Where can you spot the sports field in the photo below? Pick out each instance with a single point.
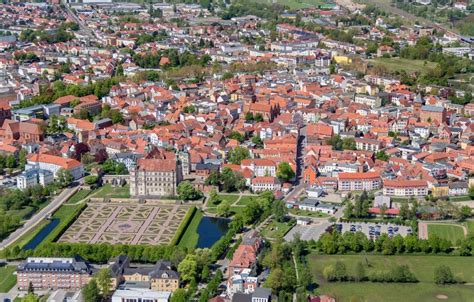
(422, 266)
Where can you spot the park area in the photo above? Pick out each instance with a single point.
(8, 279)
(452, 231)
(421, 265)
(126, 223)
(449, 232)
(399, 64)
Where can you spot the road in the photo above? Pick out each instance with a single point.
(299, 183)
(38, 217)
(83, 28)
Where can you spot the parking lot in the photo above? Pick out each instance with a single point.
(374, 230)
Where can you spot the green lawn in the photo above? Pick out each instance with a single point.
(449, 232)
(469, 224)
(422, 266)
(231, 198)
(398, 64)
(276, 230)
(246, 200)
(190, 237)
(235, 210)
(107, 191)
(80, 195)
(8, 280)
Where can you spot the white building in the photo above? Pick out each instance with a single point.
(33, 177)
(371, 101)
(54, 163)
(263, 183)
(140, 295)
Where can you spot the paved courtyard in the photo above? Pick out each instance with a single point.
(117, 223)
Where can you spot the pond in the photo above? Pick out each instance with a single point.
(210, 230)
(33, 243)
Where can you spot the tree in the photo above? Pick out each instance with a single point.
(91, 180)
(231, 181)
(179, 295)
(223, 209)
(381, 155)
(119, 71)
(64, 177)
(257, 141)
(186, 191)
(237, 136)
(29, 298)
(249, 116)
(404, 210)
(443, 275)
(213, 179)
(22, 158)
(91, 291)
(383, 210)
(104, 281)
(284, 171)
(360, 272)
(188, 268)
(465, 212)
(349, 209)
(279, 210)
(238, 154)
(348, 143)
(275, 279)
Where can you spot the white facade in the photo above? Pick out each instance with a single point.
(140, 295)
(33, 177)
(371, 101)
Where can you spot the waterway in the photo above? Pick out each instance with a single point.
(210, 230)
(33, 243)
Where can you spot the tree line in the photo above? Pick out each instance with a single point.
(337, 243)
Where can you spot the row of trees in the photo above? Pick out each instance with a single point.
(227, 180)
(50, 93)
(337, 243)
(339, 272)
(175, 59)
(61, 35)
(13, 161)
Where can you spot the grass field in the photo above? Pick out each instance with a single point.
(231, 198)
(295, 4)
(469, 224)
(422, 266)
(8, 280)
(80, 195)
(399, 64)
(246, 200)
(276, 230)
(190, 237)
(449, 232)
(108, 191)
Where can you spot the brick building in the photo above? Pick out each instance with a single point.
(53, 273)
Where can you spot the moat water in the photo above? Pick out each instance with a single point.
(33, 243)
(210, 230)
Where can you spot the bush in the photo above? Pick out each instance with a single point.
(443, 275)
(184, 225)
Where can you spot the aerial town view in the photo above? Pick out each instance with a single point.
(236, 150)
